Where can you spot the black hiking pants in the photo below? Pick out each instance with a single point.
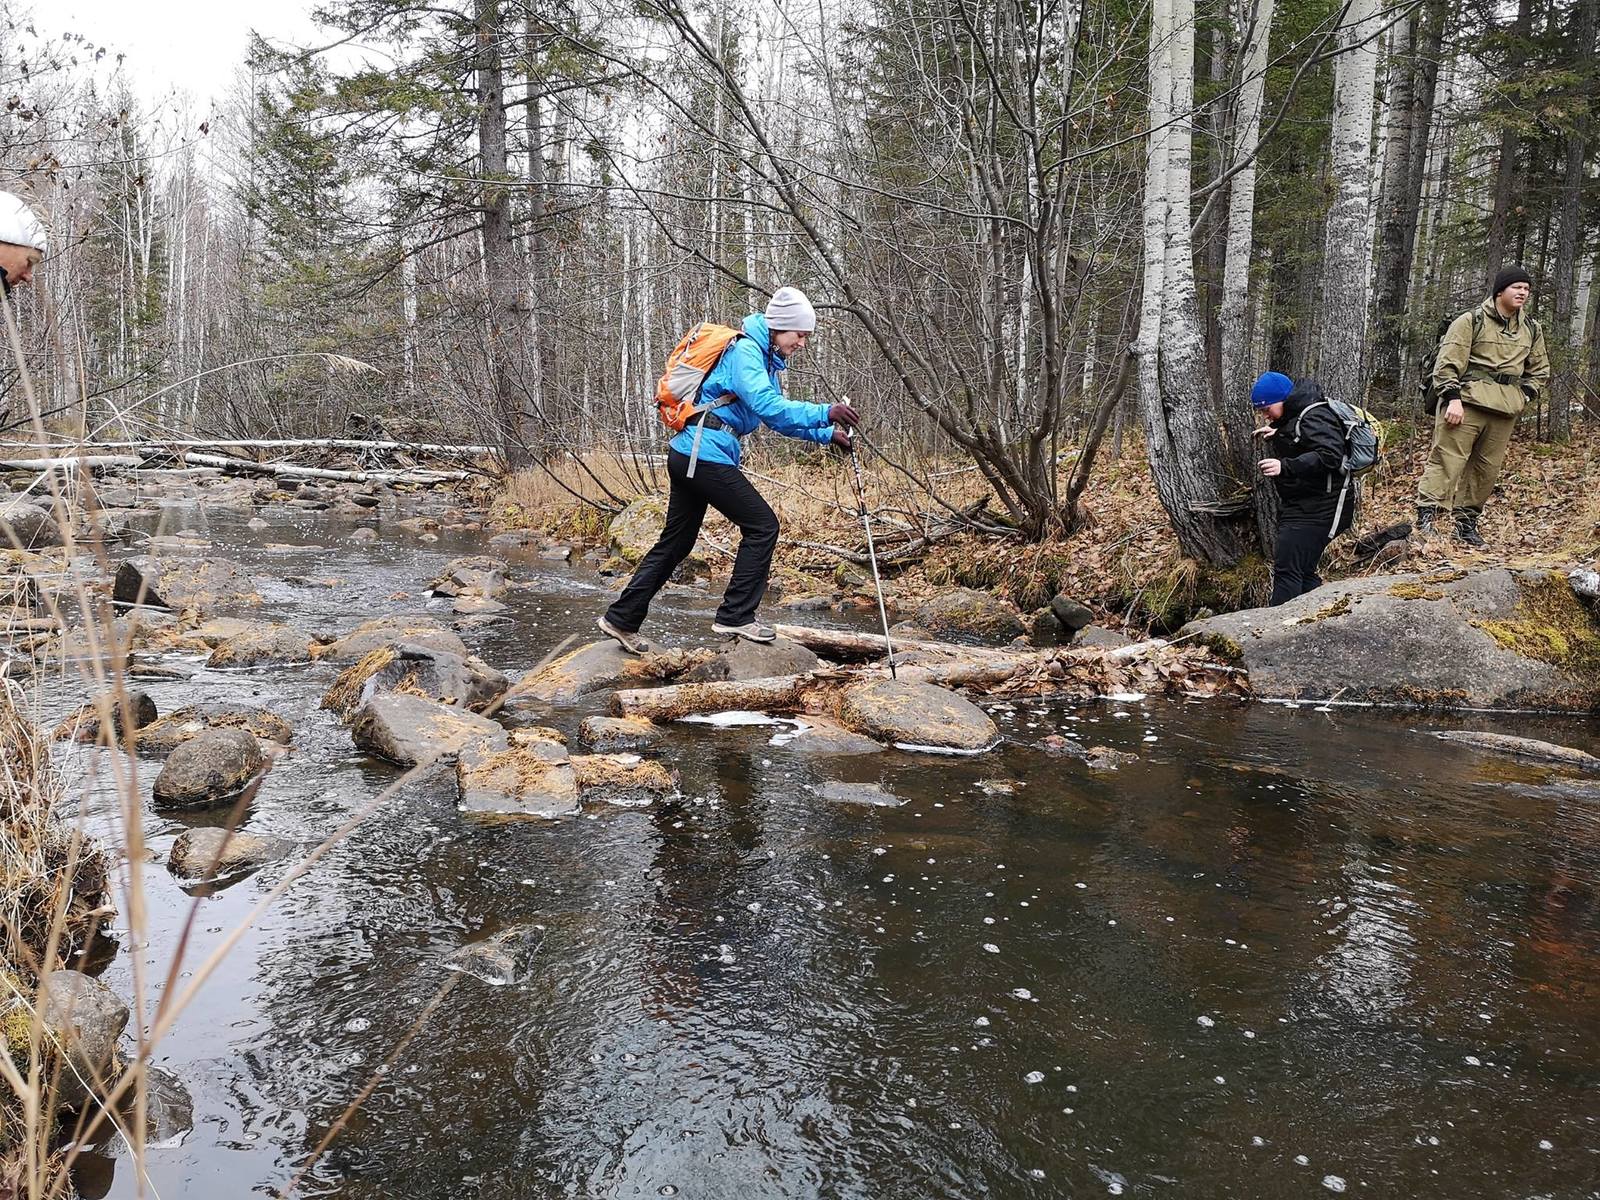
(1294, 564)
(725, 489)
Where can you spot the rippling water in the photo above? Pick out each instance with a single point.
(1286, 952)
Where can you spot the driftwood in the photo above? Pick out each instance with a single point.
(841, 643)
(87, 462)
(779, 693)
(275, 444)
(247, 466)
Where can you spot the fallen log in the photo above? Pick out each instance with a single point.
(778, 693)
(841, 643)
(270, 444)
(86, 462)
(247, 466)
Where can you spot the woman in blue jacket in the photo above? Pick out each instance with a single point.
(746, 384)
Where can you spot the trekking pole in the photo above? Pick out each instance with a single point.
(872, 554)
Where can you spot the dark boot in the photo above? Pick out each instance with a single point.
(1427, 514)
(1467, 528)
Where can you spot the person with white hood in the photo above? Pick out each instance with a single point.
(22, 241)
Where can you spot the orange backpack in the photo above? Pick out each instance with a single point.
(691, 360)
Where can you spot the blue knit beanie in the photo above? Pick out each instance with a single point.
(1270, 388)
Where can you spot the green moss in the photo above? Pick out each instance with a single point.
(1225, 648)
(1415, 591)
(1337, 609)
(1550, 625)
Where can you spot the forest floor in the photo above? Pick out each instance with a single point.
(1124, 562)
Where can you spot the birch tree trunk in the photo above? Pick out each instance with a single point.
(1184, 442)
(1505, 179)
(1347, 250)
(1237, 368)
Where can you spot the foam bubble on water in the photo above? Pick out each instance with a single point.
(732, 719)
(991, 948)
(1302, 1160)
(1022, 993)
(357, 1024)
(1033, 1077)
(1221, 1079)
(1204, 1021)
(1472, 1060)
(1333, 1183)
(754, 906)
(988, 920)
(1258, 1141)
(1546, 1144)
(981, 1021)
(1035, 1173)
(1250, 1033)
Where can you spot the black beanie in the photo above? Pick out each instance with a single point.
(1508, 276)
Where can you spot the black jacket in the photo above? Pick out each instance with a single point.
(1311, 446)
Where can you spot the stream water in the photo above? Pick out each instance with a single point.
(1286, 952)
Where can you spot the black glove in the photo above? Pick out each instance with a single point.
(845, 415)
(1531, 392)
(841, 439)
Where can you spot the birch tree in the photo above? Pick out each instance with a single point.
(1255, 25)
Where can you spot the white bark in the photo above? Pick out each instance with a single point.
(1347, 253)
(1237, 364)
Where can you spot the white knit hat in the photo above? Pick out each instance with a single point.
(789, 309)
(19, 224)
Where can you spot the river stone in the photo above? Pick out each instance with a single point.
(751, 660)
(1098, 638)
(115, 495)
(822, 736)
(1072, 615)
(409, 729)
(203, 584)
(965, 615)
(363, 535)
(84, 1019)
(501, 959)
(405, 667)
(208, 770)
(266, 643)
(524, 780)
(606, 735)
(476, 575)
(384, 631)
(637, 528)
(591, 668)
(28, 525)
(621, 779)
(167, 733)
(869, 794)
(916, 714)
(168, 1112)
(1521, 747)
(1494, 638)
(208, 853)
(84, 725)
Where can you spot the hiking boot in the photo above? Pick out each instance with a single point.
(1427, 514)
(631, 642)
(750, 631)
(1467, 530)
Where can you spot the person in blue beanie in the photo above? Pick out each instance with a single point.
(1306, 443)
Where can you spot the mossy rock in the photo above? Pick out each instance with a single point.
(636, 528)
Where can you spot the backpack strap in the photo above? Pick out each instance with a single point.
(704, 412)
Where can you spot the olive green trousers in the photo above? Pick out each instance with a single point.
(1465, 460)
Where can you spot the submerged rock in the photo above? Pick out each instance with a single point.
(408, 729)
(751, 660)
(386, 631)
(168, 1108)
(476, 575)
(468, 682)
(819, 735)
(84, 1018)
(869, 794)
(200, 855)
(501, 959)
(528, 779)
(965, 615)
(171, 731)
(84, 725)
(1486, 639)
(916, 714)
(1520, 747)
(202, 584)
(621, 779)
(609, 734)
(208, 770)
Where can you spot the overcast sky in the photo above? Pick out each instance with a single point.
(193, 45)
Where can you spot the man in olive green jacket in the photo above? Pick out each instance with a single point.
(1491, 362)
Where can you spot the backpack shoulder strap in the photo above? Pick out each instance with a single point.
(1300, 420)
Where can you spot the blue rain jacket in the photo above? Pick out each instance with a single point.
(749, 369)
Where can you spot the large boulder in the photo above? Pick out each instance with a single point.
(208, 770)
(593, 668)
(636, 528)
(84, 725)
(478, 575)
(916, 714)
(166, 734)
(965, 615)
(385, 631)
(265, 643)
(530, 778)
(29, 525)
(437, 674)
(408, 729)
(202, 584)
(752, 660)
(83, 1019)
(208, 853)
(1487, 639)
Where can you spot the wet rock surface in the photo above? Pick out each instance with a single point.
(206, 854)
(131, 710)
(165, 734)
(265, 643)
(502, 959)
(593, 668)
(201, 584)
(751, 660)
(467, 682)
(819, 735)
(208, 770)
(387, 631)
(624, 780)
(531, 778)
(607, 735)
(1521, 747)
(917, 714)
(871, 795)
(965, 615)
(409, 729)
(478, 575)
(84, 1019)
